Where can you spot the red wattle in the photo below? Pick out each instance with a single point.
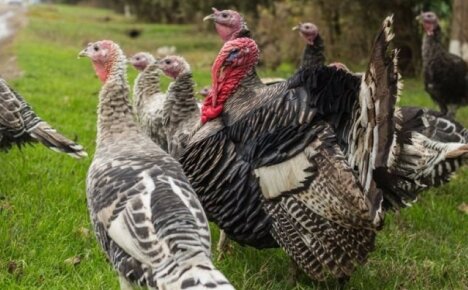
(225, 79)
(210, 112)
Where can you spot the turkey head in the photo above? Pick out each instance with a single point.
(141, 60)
(429, 21)
(174, 65)
(236, 58)
(103, 55)
(308, 31)
(228, 23)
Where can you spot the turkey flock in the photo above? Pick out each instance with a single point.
(309, 164)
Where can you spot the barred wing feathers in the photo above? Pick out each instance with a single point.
(150, 223)
(274, 155)
(19, 124)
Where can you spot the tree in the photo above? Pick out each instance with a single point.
(459, 37)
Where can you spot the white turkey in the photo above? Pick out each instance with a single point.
(148, 100)
(445, 74)
(181, 111)
(19, 125)
(145, 214)
(267, 163)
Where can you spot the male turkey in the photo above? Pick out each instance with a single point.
(429, 146)
(445, 74)
(145, 213)
(313, 54)
(19, 124)
(229, 25)
(148, 100)
(181, 112)
(267, 165)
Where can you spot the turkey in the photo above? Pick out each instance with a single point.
(19, 125)
(430, 147)
(145, 214)
(181, 112)
(267, 165)
(445, 74)
(204, 92)
(148, 100)
(229, 25)
(313, 54)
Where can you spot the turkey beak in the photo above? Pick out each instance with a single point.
(83, 53)
(209, 17)
(296, 27)
(419, 18)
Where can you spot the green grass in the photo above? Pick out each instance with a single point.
(42, 194)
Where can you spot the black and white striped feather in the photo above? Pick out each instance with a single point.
(145, 213)
(272, 167)
(19, 125)
(430, 148)
(181, 113)
(148, 102)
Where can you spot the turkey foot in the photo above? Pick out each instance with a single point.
(223, 246)
(293, 273)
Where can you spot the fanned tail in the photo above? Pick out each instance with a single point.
(371, 137)
(422, 163)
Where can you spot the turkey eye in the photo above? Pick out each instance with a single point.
(168, 62)
(138, 59)
(233, 54)
(224, 15)
(96, 48)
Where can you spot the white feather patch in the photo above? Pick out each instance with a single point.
(285, 176)
(122, 235)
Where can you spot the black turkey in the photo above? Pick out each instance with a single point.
(445, 74)
(430, 147)
(267, 165)
(314, 51)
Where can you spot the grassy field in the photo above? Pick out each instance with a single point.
(46, 241)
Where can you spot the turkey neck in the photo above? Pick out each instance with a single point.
(147, 85)
(182, 96)
(250, 81)
(114, 111)
(431, 46)
(313, 54)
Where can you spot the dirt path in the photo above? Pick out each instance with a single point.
(12, 19)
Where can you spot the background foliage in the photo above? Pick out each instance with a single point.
(348, 26)
(46, 240)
